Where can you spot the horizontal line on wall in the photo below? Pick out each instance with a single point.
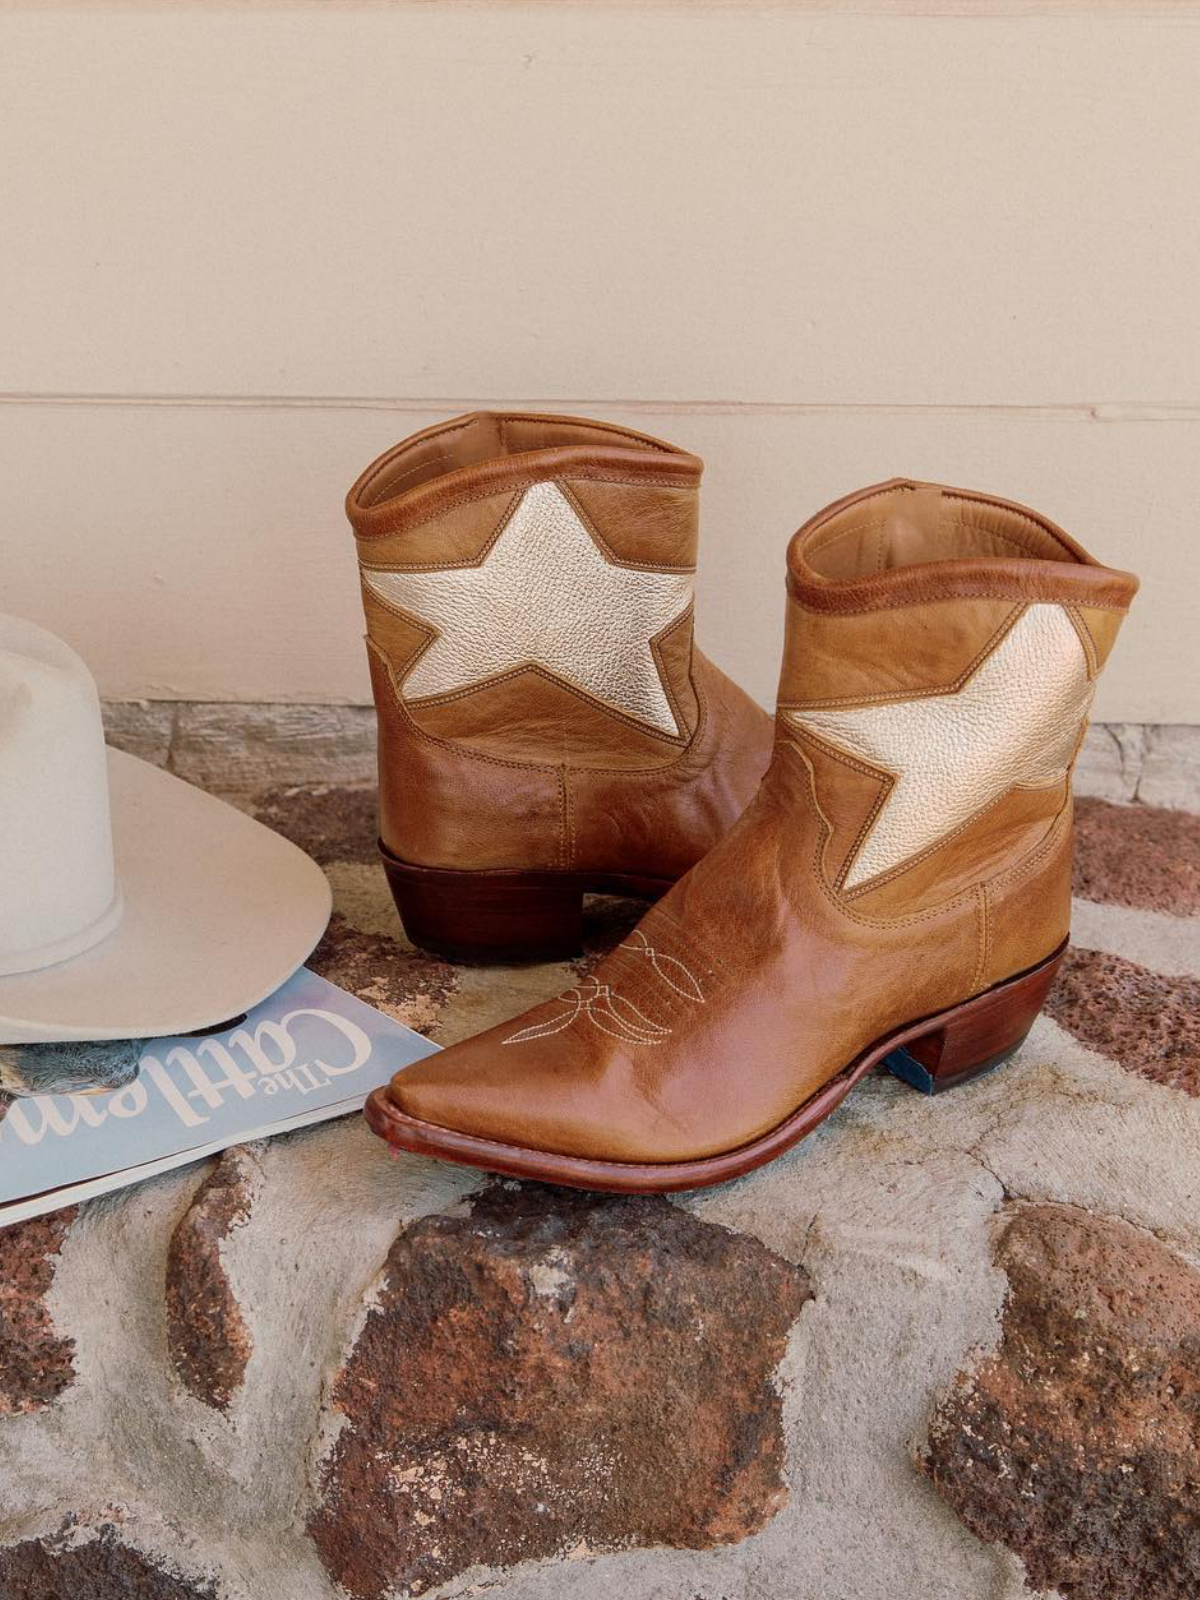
(961, 10)
(1073, 411)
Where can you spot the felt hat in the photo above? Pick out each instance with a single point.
(132, 905)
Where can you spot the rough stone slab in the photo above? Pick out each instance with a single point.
(1171, 768)
(1158, 764)
(207, 1338)
(36, 1363)
(387, 972)
(1164, 943)
(143, 727)
(556, 1370)
(245, 747)
(1109, 764)
(1076, 1444)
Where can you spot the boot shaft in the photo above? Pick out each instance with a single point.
(941, 655)
(527, 584)
(528, 581)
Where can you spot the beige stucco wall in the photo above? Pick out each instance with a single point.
(244, 246)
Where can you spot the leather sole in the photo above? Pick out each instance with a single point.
(932, 1053)
(502, 917)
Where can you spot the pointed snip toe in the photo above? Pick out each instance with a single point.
(932, 1056)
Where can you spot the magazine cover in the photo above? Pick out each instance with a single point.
(308, 1053)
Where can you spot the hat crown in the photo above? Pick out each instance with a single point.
(58, 886)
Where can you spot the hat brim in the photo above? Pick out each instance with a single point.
(219, 911)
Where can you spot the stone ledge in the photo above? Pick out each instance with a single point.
(1156, 764)
(254, 746)
(243, 747)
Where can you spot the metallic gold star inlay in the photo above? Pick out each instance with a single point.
(546, 596)
(1015, 723)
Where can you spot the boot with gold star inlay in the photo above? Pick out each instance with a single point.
(546, 727)
(898, 894)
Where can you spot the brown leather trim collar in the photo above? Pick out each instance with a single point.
(1077, 579)
(630, 457)
(976, 578)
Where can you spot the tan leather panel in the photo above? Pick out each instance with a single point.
(831, 659)
(461, 536)
(532, 716)
(939, 509)
(908, 543)
(486, 454)
(848, 794)
(400, 638)
(448, 807)
(910, 524)
(674, 652)
(1016, 580)
(492, 716)
(990, 843)
(790, 989)
(482, 437)
(1102, 628)
(645, 523)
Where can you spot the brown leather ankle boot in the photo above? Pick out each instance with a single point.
(898, 893)
(546, 727)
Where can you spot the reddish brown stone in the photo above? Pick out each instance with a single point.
(1147, 1022)
(407, 984)
(331, 824)
(36, 1363)
(556, 1369)
(207, 1338)
(1138, 856)
(101, 1568)
(1078, 1443)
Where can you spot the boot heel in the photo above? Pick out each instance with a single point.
(487, 917)
(976, 1036)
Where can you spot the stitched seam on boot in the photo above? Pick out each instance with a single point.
(526, 481)
(1085, 639)
(682, 749)
(838, 902)
(982, 939)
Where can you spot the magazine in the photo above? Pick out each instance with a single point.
(308, 1053)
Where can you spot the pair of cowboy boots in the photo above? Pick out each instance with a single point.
(880, 876)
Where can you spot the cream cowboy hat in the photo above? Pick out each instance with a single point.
(131, 904)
